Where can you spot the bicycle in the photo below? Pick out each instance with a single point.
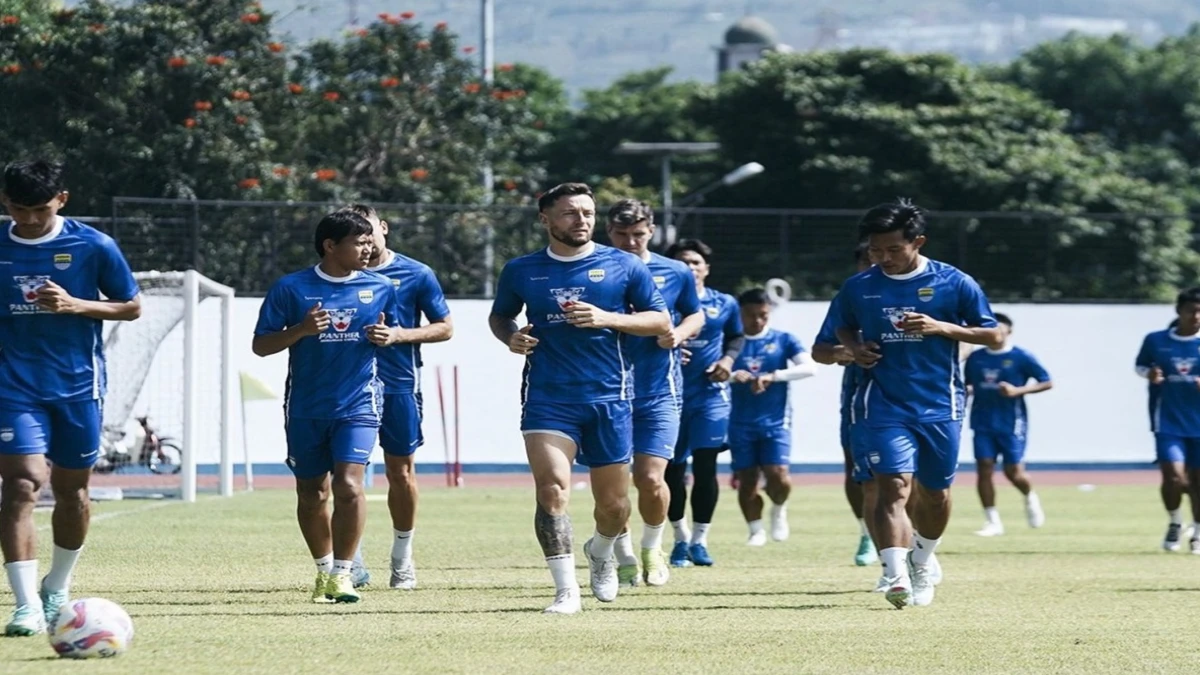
(160, 454)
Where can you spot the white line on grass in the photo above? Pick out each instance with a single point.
(117, 514)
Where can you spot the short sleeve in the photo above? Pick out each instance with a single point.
(843, 312)
(792, 347)
(688, 302)
(971, 369)
(973, 307)
(275, 310)
(115, 280)
(828, 333)
(641, 293)
(507, 302)
(733, 322)
(430, 300)
(1034, 369)
(1145, 357)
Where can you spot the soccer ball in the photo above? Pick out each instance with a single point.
(91, 628)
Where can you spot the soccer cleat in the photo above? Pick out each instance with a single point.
(340, 588)
(628, 575)
(322, 583)
(866, 555)
(604, 580)
(27, 620)
(922, 585)
(1195, 546)
(404, 575)
(899, 592)
(699, 555)
(52, 602)
(655, 571)
(990, 529)
(882, 585)
(936, 573)
(1033, 511)
(680, 556)
(1171, 541)
(566, 601)
(757, 539)
(779, 523)
(360, 575)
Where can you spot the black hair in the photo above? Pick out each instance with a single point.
(33, 182)
(754, 296)
(693, 245)
(860, 251)
(1191, 295)
(1174, 324)
(1003, 318)
(899, 216)
(557, 192)
(364, 210)
(629, 212)
(337, 226)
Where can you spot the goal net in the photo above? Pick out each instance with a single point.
(167, 415)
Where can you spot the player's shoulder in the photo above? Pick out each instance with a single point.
(84, 232)
(949, 274)
(858, 279)
(400, 261)
(608, 255)
(538, 257)
(676, 266)
(372, 277)
(296, 280)
(1158, 335)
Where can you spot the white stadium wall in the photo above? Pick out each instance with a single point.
(1096, 413)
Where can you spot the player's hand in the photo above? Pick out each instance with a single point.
(56, 299)
(316, 321)
(685, 357)
(1156, 375)
(379, 334)
(671, 339)
(915, 323)
(721, 370)
(742, 376)
(585, 315)
(522, 342)
(1007, 390)
(866, 354)
(761, 383)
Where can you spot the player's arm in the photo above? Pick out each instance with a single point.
(274, 333)
(1041, 379)
(648, 318)
(827, 349)
(503, 319)
(688, 306)
(849, 335)
(978, 325)
(432, 303)
(115, 281)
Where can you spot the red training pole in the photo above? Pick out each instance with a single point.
(445, 435)
(457, 447)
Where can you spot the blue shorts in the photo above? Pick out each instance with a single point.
(655, 426)
(990, 445)
(400, 427)
(929, 451)
(1178, 449)
(68, 434)
(602, 432)
(314, 446)
(753, 446)
(858, 455)
(704, 424)
(845, 432)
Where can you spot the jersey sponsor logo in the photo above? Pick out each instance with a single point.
(29, 285)
(660, 281)
(925, 294)
(62, 261)
(595, 276)
(895, 316)
(754, 363)
(991, 375)
(341, 332)
(1183, 366)
(341, 318)
(566, 298)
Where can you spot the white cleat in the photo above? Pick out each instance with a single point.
(779, 523)
(1171, 541)
(604, 580)
(899, 591)
(923, 584)
(404, 575)
(757, 539)
(1034, 513)
(990, 530)
(566, 601)
(936, 569)
(882, 585)
(1195, 546)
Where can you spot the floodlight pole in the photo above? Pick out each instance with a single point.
(668, 222)
(488, 58)
(664, 151)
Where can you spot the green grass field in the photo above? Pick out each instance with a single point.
(222, 586)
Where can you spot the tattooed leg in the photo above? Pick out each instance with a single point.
(554, 533)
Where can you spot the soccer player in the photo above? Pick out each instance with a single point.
(760, 424)
(418, 293)
(1170, 360)
(704, 424)
(52, 379)
(913, 398)
(1174, 475)
(658, 390)
(331, 318)
(998, 382)
(579, 298)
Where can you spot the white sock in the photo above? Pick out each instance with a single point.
(342, 566)
(992, 514)
(756, 526)
(623, 549)
(324, 563)
(562, 568)
(895, 562)
(59, 577)
(682, 533)
(924, 549)
(862, 527)
(23, 578)
(1176, 516)
(652, 536)
(358, 556)
(778, 511)
(1196, 530)
(1032, 498)
(602, 546)
(402, 545)
(700, 533)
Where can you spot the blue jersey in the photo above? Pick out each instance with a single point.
(572, 364)
(332, 375)
(985, 370)
(853, 377)
(917, 380)
(1177, 409)
(417, 293)
(722, 321)
(656, 371)
(48, 357)
(765, 353)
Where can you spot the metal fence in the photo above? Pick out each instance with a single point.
(248, 245)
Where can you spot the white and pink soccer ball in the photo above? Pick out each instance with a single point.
(91, 628)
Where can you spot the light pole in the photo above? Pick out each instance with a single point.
(665, 151)
(744, 172)
(487, 55)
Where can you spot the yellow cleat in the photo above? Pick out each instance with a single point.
(657, 571)
(321, 588)
(340, 588)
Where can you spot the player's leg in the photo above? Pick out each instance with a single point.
(986, 452)
(743, 464)
(867, 553)
(23, 476)
(774, 450)
(1014, 469)
(707, 443)
(311, 463)
(891, 454)
(400, 436)
(1192, 464)
(607, 449)
(937, 462)
(350, 447)
(1169, 451)
(676, 478)
(655, 431)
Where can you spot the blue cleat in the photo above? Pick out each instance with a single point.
(679, 555)
(699, 555)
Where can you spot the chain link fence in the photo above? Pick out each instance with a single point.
(1038, 257)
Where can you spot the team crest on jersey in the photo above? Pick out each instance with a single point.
(395, 283)
(1006, 363)
(754, 363)
(62, 261)
(1183, 366)
(712, 312)
(365, 297)
(595, 276)
(771, 348)
(660, 281)
(925, 294)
